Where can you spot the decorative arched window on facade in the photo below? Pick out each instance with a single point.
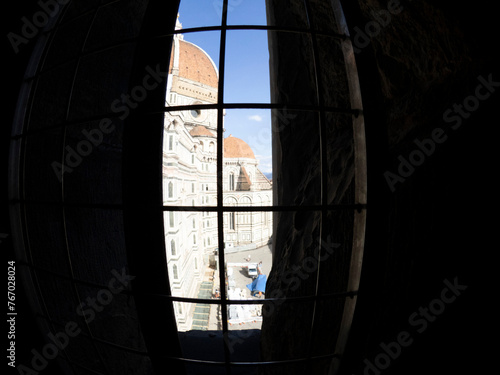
(171, 219)
(170, 142)
(231, 220)
(175, 272)
(170, 189)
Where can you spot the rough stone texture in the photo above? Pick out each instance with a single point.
(420, 58)
(427, 58)
(290, 329)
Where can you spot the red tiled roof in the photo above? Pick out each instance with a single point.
(194, 64)
(202, 131)
(237, 148)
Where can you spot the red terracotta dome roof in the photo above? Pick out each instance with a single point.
(237, 148)
(195, 64)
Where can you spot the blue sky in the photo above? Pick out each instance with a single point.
(247, 66)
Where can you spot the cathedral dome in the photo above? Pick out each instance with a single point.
(237, 148)
(194, 64)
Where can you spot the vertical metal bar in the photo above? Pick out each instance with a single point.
(323, 156)
(220, 208)
(360, 182)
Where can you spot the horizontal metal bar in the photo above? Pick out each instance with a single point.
(297, 30)
(69, 123)
(254, 363)
(195, 300)
(81, 55)
(265, 301)
(73, 280)
(88, 370)
(114, 116)
(284, 106)
(106, 206)
(334, 207)
(354, 206)
(331, 207)
(91, 336)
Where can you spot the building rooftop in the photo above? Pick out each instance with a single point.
(201, 131)
(237, 148)
(195, 64)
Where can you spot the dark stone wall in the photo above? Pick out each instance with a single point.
(309, 71)
(432, 226)
(421, 59)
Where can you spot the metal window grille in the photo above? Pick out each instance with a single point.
(230, 212)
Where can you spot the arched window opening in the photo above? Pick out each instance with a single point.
(171, 221)
(170, 189)
(172, 248)
(285, 153)
(170, 142)
(231, 220)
